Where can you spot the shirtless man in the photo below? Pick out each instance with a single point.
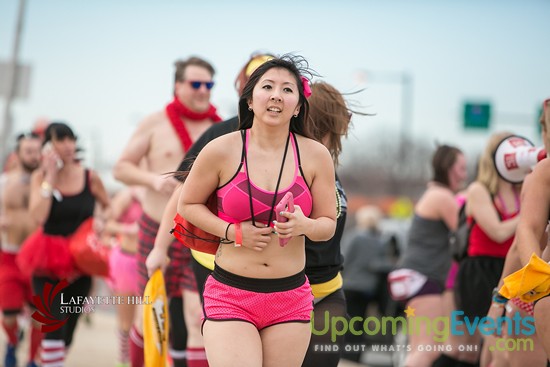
(15, 226)
(160, 142)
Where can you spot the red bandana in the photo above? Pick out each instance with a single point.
(177, 110)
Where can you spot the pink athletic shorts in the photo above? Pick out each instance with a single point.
(123, 272)
(262, 302)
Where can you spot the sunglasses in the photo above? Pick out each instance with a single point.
(197, 85)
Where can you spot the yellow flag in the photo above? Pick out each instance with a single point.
(530, 283)
(155, 322)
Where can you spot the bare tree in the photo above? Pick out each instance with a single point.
(385, 168)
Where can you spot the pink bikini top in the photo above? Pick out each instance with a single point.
(234, 202)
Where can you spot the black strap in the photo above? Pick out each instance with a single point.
(299, 160)
(276, 187)
(297, 150)
(243, 153)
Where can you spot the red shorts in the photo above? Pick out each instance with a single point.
(15, 289)
(262, 302)
(179, 274)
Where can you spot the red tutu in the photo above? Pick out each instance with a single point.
(46, 255)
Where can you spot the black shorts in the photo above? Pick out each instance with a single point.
(476, 278)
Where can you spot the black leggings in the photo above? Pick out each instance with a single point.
(335, 305)
(178, 329)
(73, 295)
(357, 303)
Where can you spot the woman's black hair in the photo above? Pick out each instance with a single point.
(58, 131)
(296, 65)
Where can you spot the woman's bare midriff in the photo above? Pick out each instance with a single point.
(273, 262)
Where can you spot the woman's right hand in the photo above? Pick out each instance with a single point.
(255, 238)
(157, 259)
(50, 163)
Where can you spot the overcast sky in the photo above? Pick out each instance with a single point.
(103, 65)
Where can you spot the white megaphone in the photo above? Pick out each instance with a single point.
(515, 157)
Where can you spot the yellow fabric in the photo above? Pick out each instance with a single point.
(206, 260)
(255, 62)
(155, 322)
(530, 283)
(324, 289)
(319, 290)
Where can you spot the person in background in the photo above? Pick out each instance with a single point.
(63, 195)
(329, 121)
(122, 227)
(452, 345)
(15, 289)
(531, 237)
(492, 207)
(38, 128)
(366, 257)
(258, 294)
(162, 140)
(512, 263)
(202, 264)
(427, 258)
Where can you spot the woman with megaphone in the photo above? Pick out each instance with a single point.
(492, 207)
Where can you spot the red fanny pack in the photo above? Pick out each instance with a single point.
(194, 237)
(89, 254)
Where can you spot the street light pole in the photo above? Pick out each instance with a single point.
(406, 82)
(11, 78)
(406, 112)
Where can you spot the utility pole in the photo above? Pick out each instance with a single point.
(12, 78)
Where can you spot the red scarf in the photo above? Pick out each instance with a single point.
(176, 111)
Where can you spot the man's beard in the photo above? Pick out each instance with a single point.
(29, 167)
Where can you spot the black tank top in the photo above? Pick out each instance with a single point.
(324, 259)
(66, 215)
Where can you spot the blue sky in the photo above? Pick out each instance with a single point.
(103, 65)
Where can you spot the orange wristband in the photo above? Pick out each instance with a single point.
(238, 235)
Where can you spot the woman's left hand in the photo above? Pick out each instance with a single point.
(293, 226)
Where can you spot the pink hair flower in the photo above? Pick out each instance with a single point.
(307, 88)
